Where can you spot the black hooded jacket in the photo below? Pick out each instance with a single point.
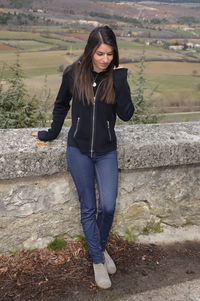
(92, 128)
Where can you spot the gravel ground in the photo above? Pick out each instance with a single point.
(144, 272)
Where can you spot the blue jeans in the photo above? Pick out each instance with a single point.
(101, 168)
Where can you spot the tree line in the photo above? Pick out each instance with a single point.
(116, 17)
(23, 19)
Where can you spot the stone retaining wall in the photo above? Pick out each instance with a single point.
(159, 184)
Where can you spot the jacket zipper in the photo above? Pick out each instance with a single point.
(77, 124)
(93, 120)
(108, 125)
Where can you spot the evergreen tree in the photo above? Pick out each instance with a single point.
(17, 108)
(142, 97)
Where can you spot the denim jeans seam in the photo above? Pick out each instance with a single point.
(68, 164)
(99, 185)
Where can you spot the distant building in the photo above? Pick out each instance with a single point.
(176, 47)
(190, 45)
(188, 28)
(88, 22)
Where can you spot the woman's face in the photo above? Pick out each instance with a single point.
(102, 57)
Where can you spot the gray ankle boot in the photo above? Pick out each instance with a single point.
(101, 276)
(109, 263)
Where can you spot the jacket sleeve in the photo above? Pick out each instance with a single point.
(124, 104)
(61, 108)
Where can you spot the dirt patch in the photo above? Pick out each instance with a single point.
(6, 47)
(67, 274)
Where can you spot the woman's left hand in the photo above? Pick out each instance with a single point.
(119, 67)
(35, 134)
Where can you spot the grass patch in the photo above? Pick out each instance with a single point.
(57, 244)
(156, 228)
(188, 223)
(130, 235)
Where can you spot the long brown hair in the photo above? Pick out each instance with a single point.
(83, 66)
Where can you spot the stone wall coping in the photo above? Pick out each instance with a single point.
(139, 146)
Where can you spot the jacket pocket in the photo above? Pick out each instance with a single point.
(109, 132)
(77, 126)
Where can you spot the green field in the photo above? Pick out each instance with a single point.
(27, 44)
(35, 28)
(125, 45)
(173, 83)
(38, 63)
(37, 41)
(179, 117)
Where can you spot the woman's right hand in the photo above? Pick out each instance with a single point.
(35, 134)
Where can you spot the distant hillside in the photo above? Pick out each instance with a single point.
(53, 5)
(74, 3)
(166, 1)
(42, 3)
(102, 10)
(17, 3)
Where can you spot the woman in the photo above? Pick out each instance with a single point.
(98, 90)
